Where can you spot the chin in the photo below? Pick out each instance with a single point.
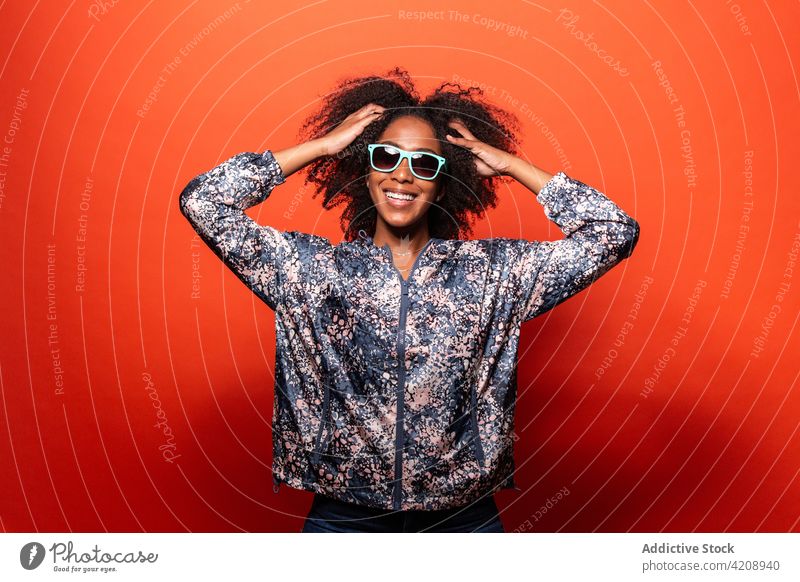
(402, 222)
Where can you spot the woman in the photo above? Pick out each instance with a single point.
(395, 376)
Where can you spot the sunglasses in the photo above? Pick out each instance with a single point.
(424, 165)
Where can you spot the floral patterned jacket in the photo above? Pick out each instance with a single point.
(393, 393)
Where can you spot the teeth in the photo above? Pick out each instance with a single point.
(398, 196)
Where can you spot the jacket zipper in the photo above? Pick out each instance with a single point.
(397, 492)
(401, 393)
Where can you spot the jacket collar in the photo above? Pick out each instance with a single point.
(366, 240)
(435, 252)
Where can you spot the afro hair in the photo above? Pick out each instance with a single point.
(340, 177)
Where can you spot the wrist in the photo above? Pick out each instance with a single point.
(516, 167)
(527, 174)
(319, 147)
(296, 157)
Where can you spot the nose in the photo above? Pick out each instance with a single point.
(402, 173)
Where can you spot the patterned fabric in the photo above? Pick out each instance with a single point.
(391, 393)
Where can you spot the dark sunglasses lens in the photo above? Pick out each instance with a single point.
(426, 166)
(385, 158)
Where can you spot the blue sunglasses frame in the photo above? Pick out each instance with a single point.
(405, 154)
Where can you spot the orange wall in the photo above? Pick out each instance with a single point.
(707, 443)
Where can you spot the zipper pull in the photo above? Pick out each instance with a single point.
(276, 485)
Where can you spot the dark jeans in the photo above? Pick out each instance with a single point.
(331, 515)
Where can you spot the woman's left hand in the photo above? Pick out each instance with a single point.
(489, 161)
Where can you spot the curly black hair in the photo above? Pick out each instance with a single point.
(341, 176)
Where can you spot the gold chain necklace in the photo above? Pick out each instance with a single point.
(405, 255)
(406, 269)
(408, 253)
(408, 265)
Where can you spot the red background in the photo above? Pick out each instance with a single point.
(713, 447)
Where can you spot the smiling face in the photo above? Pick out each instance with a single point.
(409, 133)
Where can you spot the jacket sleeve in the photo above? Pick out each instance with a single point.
(598, 235)
(214, 203)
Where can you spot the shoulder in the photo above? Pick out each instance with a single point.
(307, 249)
(305, 242)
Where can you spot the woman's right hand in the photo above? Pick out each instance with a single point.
(349, 129)
(292, 159)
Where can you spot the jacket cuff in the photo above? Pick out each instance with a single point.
(270, 164)
(552, 187)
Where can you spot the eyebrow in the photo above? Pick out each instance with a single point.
(387, 142)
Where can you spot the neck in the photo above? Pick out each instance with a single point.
(401, 241)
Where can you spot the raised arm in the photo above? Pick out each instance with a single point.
(598, 232)
(214, 203)
(598, 235)
(262, 256)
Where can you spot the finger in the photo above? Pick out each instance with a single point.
(375, 115)
(462, 129)
(374, 107)
(459, 141)
(372, 116)
(366, 121)
(369, 110)
(362, 124)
